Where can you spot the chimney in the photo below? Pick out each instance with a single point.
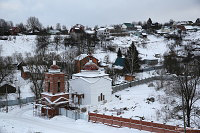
(54, 62)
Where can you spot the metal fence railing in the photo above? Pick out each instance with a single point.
(17, 102)
(139, 82)
(73, 114)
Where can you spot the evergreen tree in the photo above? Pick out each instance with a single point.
(132, 60)
(149, 21)
(119, 53)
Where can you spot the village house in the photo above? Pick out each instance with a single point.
(77, 31)
(127, 26)
(103, 33)
(15, 30)
(34, 71)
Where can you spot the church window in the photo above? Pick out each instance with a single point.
(58, 86)
(48, 86)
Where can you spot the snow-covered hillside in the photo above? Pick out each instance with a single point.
(139, 102)
(22, 121)
(18, 44)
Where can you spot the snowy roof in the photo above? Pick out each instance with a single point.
(188, 27)
(118, 67)
(56, 101)
(82, 56)
(89, 31)
(138, 26)
(101, 29)
(54, 31)
(34, 68)
(90, 74)
(50, 94)
(111, 28)
(128, 25)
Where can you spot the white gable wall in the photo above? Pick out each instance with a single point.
(82, 87)
(92, 90)
(103, 86)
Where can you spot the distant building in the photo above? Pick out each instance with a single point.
(82, 59)
(6, 88)
(77, 31)
(127, 26)
(119, 63)
(103, 33)
(15, 30)
(28, 71)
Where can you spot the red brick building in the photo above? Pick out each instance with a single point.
(82, 59)
(54, 95)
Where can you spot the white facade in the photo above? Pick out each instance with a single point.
(94, 84)
(103, 32)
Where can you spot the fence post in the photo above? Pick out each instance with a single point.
(130, 123)
(112, 120)
(152, 126)
(140, 125)
(120, 121)
(103, 118)
(88, 116)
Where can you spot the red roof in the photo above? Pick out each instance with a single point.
(90, 66)
(54, 67)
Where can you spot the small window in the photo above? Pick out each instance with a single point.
(58, 86)
(99, 99)
(48, 86)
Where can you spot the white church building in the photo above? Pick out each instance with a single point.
(93, 83)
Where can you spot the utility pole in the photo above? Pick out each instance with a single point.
(6, 100)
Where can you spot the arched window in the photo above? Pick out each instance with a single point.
(101, 97)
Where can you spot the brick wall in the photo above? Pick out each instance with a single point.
(136, 124)
(80, 63)
(54, 79)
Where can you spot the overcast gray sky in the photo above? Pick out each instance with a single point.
(98, 12)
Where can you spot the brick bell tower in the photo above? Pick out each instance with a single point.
(54, 95)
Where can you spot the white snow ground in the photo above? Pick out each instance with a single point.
(132, 103)
(22, 121)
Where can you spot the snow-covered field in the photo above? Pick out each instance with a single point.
(21, 44)
(22, 121)
(132, 103)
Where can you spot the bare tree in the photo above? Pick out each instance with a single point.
(36, 67)
(58, 26)
(34, 24)
(186, 87)
(42, 43)
(68, 59)
(6, 69)
(184, 63)
(57, 41)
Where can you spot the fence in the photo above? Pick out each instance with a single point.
(151, 68)
(73, 114)
(17, 102)
(136, 124)
(133, 83)
(139, 82)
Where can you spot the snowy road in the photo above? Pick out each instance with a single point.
(23, 121)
